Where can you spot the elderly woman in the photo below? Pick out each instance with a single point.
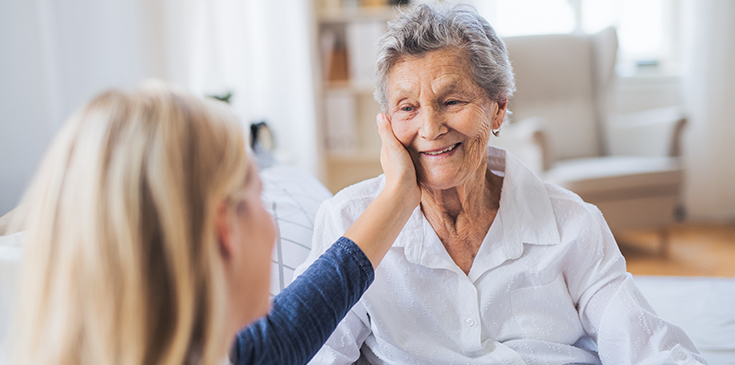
(495, 266)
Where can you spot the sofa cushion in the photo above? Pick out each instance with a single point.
(617, 177)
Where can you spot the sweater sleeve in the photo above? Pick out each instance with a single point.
(306, 312)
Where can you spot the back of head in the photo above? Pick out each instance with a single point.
(432, 27)
(121, 260)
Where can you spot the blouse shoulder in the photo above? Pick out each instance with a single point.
(569, 207)
(556, 192)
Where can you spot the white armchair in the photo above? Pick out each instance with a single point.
(627, 165)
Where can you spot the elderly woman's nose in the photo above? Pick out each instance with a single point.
(432, 124)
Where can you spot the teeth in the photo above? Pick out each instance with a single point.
(442, 151)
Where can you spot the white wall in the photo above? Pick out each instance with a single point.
(708, 92)
(25, 114)
(54, 58)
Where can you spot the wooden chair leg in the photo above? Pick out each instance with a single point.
(663, 247)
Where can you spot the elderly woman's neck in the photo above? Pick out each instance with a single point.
(474, 199)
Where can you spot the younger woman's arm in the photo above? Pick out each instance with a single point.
(306, 312)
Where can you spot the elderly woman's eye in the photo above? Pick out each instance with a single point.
(452, 102)
(406, 108)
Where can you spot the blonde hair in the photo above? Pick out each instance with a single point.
(122, 264)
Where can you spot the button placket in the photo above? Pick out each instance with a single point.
(470, 315)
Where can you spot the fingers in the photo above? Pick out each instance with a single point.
(398, 167)
(393, 156)
(384, 127)
(387, 137)
(382, 121)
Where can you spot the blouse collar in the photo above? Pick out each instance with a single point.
(525, 212)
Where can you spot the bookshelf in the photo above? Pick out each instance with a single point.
(347, 33)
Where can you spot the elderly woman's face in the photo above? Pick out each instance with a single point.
(442, 116)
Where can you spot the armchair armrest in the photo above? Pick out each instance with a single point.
(527, 140)
(653, 132)
(5, 223)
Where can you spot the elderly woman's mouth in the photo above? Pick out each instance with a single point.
(442, 151)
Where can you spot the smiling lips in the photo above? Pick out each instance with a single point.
(439, 152)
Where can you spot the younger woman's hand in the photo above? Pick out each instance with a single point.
(400, 173)
(382, 221)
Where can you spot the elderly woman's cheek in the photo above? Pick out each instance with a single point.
(485, 126)
(481, 138)
(402, 130)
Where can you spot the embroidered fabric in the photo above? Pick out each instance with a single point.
(548, 285)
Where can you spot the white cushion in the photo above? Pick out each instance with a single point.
(615, 177)
(10, 258)
(292, 196)
(703, 307)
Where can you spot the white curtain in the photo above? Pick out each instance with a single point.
(258, 49)
(57, 54)
(708, 87)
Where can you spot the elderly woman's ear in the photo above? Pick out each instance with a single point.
(499, 114)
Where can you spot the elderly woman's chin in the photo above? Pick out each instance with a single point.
(443, 177)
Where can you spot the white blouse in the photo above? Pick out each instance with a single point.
(548, 285)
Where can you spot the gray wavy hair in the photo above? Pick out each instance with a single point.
(428, 28)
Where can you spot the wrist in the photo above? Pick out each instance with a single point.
(401, 196)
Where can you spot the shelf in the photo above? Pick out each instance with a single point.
(350, 14)
(347, 39)
(349, 86)
(357, 156)
(345, 169)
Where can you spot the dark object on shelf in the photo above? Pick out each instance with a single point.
(647, 63)
(398, 2)
(262, 143)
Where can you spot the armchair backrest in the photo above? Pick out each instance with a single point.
(565, 79)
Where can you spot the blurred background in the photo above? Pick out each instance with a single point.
(306, 68)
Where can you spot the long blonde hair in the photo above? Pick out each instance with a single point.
(121, 263)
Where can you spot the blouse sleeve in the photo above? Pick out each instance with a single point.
(617, 316)
(306, 312)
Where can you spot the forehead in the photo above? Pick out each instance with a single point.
(446, 68)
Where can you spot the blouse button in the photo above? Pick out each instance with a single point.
(470, 322)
